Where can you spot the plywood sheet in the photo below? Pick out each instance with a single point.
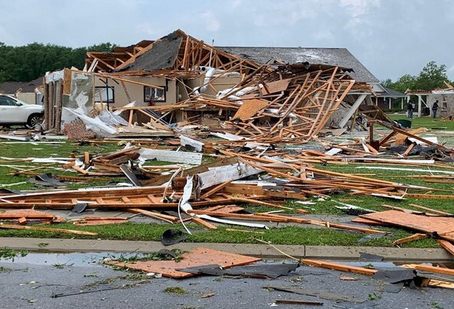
(276, 86)
(198, 257)
(444, 226)
(250, 108)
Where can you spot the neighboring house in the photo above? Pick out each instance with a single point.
(24, 91)
(445, 99)
(383, 98)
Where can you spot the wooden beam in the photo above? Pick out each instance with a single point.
(340, 267)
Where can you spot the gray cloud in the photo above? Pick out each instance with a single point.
(390, 37)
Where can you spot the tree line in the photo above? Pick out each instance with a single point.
(432, 76)
(26, 63)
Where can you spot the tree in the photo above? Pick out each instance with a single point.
(25, 63)
(432, 76)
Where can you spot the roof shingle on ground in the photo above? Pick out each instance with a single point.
(332, 56)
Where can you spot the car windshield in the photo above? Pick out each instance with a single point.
(5, 100)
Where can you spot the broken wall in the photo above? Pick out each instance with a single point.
(445, 103)
(136, 92)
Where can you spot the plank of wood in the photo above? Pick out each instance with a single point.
(340, 267)
(82, 222)
(444, 213)
(410, 238)
(204, 223)
(447, 246)
(45, 229)
(408, 149)
(435, 269)
(298, 302)
(152, 214)
(215, 189)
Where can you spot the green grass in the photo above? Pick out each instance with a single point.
(63, 150)
(425, 122)
(328, 206)
(291, 235)
(288, 235)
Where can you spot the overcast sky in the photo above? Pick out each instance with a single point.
(390, 37)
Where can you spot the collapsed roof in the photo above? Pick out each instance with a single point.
(331, 56)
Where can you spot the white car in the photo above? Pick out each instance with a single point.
(16, 112)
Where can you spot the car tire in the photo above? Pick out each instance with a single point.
(33, 120)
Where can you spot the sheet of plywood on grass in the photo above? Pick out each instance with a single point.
(250, 108)
(369, 222)
(443, 226)
(198, 257)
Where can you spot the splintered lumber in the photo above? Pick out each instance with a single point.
(410, 238)
(46, 229)
(447, 246)
(443, 226)
(340, 267)
(198, 257)
(434, 269)
(298, 302)
(28, 214)
(93, 221)
(215, 189)
(256, 202)
(204, 223)
(155, 215)
(443, 213)
(345, 227)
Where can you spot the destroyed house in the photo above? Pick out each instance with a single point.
(179, 79)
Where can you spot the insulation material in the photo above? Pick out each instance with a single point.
(94, 124)
(171, 156)
(187, 141)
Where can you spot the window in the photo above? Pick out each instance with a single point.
(154, 95)
(5, 100)
(104, 94)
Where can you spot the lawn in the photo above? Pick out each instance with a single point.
(296, 235)
(426, 122)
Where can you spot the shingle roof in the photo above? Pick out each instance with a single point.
(161, 56)
(332, 56)
(393, 93)
(12, 87)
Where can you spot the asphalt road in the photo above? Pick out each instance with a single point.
(31, 282)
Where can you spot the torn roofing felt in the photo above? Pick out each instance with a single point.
(162, 54)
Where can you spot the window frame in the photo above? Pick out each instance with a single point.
(111, 99)
(147, 96)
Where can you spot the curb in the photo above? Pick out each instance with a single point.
(258, 250)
